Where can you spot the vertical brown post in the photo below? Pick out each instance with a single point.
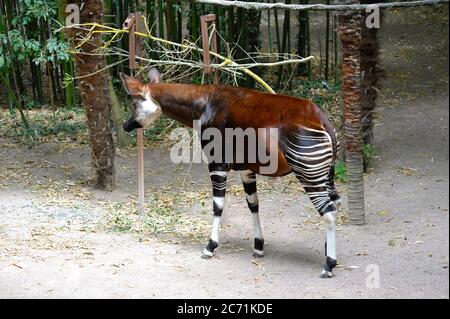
(129, 24)
(205, 44)
(205, 20)
(138, 28)
(132, 23)
(140, 131)
(214, 49)
(140, 168)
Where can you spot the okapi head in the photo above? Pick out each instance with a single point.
(144, 109)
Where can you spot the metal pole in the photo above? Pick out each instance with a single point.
(132, 23)
(140, 131)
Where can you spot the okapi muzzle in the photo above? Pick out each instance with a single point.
(131, 124)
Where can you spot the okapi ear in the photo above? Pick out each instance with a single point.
(132, 85)
(154, 75)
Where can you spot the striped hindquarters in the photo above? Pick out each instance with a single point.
(311, 153)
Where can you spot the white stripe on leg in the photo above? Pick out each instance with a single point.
(219, 201)
(215, 229)
(257, 234)
(214, 239)
(330, 219)
(252, 199)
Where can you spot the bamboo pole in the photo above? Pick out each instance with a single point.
(170, 27)
(161, 18)
(269, 31)
(194, 21)
(327, 41)
(18, 97)
(277, 30)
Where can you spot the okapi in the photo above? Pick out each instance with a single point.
(306, 143)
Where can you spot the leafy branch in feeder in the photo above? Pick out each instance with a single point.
(173, 56)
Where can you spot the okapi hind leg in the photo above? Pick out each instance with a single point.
(330, 245)
(309, 153)
(330, 220)
(249, 181)
(218, 175)
(327, 209)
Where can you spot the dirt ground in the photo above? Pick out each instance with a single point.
(52, 250)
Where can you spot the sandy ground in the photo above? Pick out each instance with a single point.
(48, 251)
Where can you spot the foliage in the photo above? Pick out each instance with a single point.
(47, 125)
(325, 94)
(118, 218)
(66, 125)
(56, 51)
(35, 10)
(156, 132)
(368, 153)
(21, 48)
(163, 215)
(29, 43)
(319, 91)
(340, 172)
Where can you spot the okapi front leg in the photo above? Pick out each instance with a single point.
(249, 181)
(218, 175)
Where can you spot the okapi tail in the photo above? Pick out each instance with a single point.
(335, 143)
(331, 188)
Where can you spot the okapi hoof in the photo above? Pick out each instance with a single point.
(258, 253)
(326, 274)
(328, 268)
(207, 254)
(258, 249)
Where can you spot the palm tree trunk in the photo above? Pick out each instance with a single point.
(94, 97)
(350, 34)
(371, 74)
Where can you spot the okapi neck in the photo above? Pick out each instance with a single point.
(181, 102)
